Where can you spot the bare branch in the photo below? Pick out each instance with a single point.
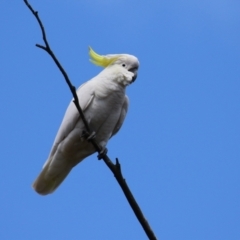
(115, 168)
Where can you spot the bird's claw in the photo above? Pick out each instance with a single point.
(102, 153)
(88, 136)
(91, 136)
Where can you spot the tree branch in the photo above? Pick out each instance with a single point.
(115, 168)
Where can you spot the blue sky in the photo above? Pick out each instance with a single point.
(179, 146)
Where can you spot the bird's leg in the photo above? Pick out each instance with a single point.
(88, 136)
(102, 153)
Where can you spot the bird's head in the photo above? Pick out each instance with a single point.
(126, 61)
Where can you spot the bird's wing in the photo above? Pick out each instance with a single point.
(122, 116)
(85, 95)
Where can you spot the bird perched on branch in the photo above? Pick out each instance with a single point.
(104, 104)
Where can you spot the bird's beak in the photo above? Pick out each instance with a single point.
(134, 77)
(135, 72)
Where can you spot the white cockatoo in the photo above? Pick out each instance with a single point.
(104, 104)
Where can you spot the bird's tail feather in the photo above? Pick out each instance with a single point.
(47, 182)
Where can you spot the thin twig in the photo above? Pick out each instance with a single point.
(115, 168)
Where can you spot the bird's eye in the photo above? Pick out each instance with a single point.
(124, 65)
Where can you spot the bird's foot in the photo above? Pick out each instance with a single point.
(102, 153)
(91, 136)
(88, 136)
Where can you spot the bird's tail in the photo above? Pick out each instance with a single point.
(49, 179)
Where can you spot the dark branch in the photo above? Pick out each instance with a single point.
(115, 168)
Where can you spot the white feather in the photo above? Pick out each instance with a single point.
(105, 105)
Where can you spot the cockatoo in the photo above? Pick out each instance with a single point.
(104, 104)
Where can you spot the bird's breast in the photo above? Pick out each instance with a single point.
(103, 114)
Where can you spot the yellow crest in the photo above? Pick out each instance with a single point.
(101, 60)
